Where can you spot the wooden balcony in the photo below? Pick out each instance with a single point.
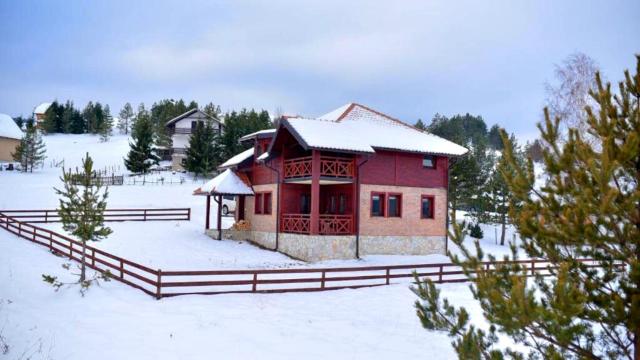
(184, 131)
(329, 224)
(330, 167)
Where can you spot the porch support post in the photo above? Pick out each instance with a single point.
(219, 217)
(206, 222)
(315, 192)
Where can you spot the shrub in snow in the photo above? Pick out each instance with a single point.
(475, 231)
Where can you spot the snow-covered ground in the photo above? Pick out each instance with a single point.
(115, 321)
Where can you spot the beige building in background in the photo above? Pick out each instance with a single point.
(10, 135)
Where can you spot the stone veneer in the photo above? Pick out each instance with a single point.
(323, 247)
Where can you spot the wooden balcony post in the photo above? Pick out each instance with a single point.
(206, 222)
(315, 192)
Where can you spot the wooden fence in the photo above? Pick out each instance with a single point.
(49, 216)
(159, 284)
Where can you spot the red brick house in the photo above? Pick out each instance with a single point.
(352, 182)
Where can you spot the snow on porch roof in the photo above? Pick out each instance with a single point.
(227, 183)
(237, 159)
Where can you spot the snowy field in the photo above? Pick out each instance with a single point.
(115, 321)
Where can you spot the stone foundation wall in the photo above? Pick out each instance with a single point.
(401, 245)
(317, 247)
(321, 247)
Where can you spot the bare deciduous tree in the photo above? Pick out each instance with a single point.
(568, 96)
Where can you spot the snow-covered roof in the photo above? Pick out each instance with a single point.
(227, 183)
(259, 134)
(264, 156)
(357, 128)
(237, 159)
(201, 114)
(8, 128)
(42, 108)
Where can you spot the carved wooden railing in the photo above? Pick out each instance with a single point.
(296, 223)
(337, 167)
(298, 167)
(328, 224)
(336, 224)
(329, 167)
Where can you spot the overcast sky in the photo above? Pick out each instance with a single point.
(410, 59)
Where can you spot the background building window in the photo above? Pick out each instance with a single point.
(394, 205)
(426, 206)
(429, 161)
(342, 206)
(377, 204)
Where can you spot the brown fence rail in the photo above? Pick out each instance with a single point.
(161, 284)
(48, 216)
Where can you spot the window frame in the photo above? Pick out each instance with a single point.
(399, 205)
(434, 161)
(258, 204)
(383, 199)
(266, 200)
(432, 206)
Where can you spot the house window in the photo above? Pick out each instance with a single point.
(305, 203)
(394, 207)
(263, 203)
(194, 125)
(426, 207)
(258, 203)
(267, 203)
(429, 161)
(332, 205)
(377, 204)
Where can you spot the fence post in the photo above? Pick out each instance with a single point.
(533, 267)
(121, 270)
(70, 250)
(189, 214)
(159, 285)
(440, 274)
(46, 216)
(93, 257)
(387, 273)
(50, 241)
(322, 280)
(19, 228)
(255, 282)
(145, 214)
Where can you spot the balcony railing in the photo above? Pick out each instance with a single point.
(328, 224)
(296, 223)
(329, 167)
(185, 131)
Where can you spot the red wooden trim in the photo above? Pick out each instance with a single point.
(315, 192)
(206, 222)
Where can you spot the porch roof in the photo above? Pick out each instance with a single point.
(228, 182)
(237, 159)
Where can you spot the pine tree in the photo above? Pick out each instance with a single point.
(495, 141)
(203, 151)
(89, 116)
(30, 152)
(52, 122)
(212, 110)
(106, 125)
(588, 208)
(141, 155)
(420, 125)
(124, 122)
(82, 214)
